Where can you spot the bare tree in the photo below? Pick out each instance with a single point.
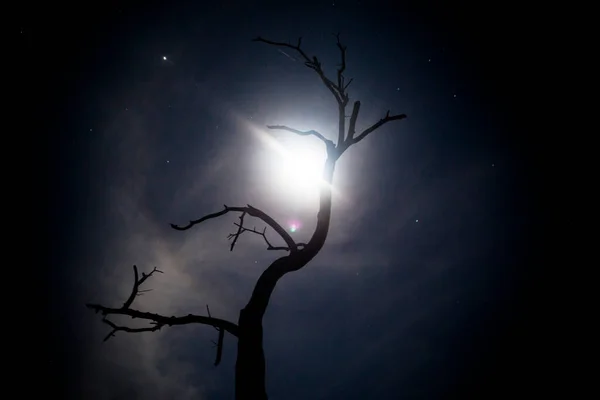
(250, 364)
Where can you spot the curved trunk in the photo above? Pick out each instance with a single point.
(250, 366)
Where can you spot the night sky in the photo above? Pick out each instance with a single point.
(156, 115)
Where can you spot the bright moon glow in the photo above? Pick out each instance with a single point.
(292, 166)
(301, 168)
(295, 165)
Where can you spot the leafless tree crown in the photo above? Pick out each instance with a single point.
(249, 327)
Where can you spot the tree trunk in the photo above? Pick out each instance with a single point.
(250, 364)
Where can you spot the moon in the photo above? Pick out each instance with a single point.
(292, 168)
(300, 169)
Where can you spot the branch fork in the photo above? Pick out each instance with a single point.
(339, 90)
(292, 246)
(157, 321)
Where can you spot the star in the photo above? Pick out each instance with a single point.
(165, 58)
(416, 220)
(454, 95)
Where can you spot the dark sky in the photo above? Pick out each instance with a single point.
(422, 290)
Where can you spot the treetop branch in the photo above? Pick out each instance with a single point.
(252, 211)
(338, 90)
(327, 142)
(340, 72)
(382, 121)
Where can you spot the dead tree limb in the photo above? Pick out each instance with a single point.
(137, 282)
(220, 346)
(382, 121)
(314, 64)
(263, 234)
(327, 142)
(157, 321)
(116, 328)
(252, 211)
(339, 89)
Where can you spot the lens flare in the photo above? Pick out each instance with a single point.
(294, 226)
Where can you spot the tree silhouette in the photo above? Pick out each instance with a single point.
(250, 363)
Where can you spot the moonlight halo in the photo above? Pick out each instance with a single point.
(295, 166)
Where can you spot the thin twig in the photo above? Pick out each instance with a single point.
(137, 283)
(252, 211)
(382, 121)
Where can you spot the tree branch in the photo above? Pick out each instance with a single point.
(243, 229)
(314, 64)
(137, 283)
(339, 91)
(340, 72)
(116, 328)
(252, 211)
(164, 320)
(376, 125)
(239, 232)
(328, 143)
(353, 118)
(157, 321)
(220, 346)
(301, 133)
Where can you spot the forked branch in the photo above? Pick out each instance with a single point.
(337, 89)
(375, 126)
(242, 229)
(340, 72)
(157, 321)
(115, 328)
(137, 283)
(252, 211)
